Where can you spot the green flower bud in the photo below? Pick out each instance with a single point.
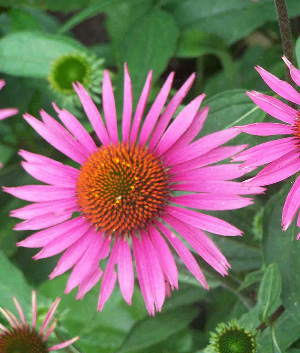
(75, 67)
(231, 338)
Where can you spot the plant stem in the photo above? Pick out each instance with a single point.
(286, 35)
(272, 319)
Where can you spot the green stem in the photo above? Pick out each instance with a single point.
(286, 35)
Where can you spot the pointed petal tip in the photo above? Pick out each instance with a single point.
(55, 107)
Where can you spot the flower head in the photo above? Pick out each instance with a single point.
(7, 112)
(280, 155)
(76, 67)
(130, 194)
(232, 338)
(21, 337)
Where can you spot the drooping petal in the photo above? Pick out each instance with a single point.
(184, 253)
(203, 221)
(125, 271)
(291, 205)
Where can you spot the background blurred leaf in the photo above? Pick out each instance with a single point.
(30, 54)
(232, 108)
(283, 249)
(230, 19)
(152, 330)
(269, 291)
(148, 44)
(12, 283)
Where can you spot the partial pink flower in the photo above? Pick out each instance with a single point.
(21, 337)
(131, 194)
(6, 113)
(281, 155)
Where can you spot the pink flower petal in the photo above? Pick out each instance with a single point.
(109, 107)
(42, 208)
(165, 256)
(170, 111)
(92, 114)
(73, 254)
(284, 89)
(125, 271)
(63, 344)
(201, 243)
(295, 73)
(109, 279)
(266, 129)
(184, 253)
(201, 146)
(127, 106)
(76, 128)
(203, 221)
(55, 140)
(61, 243)
(214, 156)
(273, 107)
(218, 186)
(140, 109)
(51, 174)
(216, 172)
(44, 221)
(155, 110)
(274, 176)
(291, 205)
(46, 236)
(215, 202)
(179, 126)
(39, 193)
(7, 112)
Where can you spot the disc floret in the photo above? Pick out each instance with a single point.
(122, 188)
(232, 338)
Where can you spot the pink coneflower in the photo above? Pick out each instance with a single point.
(130, 194)
(6, 113)
(281, 155)
(21, 337)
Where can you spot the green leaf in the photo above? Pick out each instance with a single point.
(286, 330)
(276, 348)
(153, 330)
(144, 47)
(231, 108)
(269, 291)
(251, 278)
(230, 19)
(283, 249)
(95, 8)
(23, 20)
(30, 54)
(12, 283)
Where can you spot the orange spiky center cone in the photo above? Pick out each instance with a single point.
(122, 188)
(22, 340)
